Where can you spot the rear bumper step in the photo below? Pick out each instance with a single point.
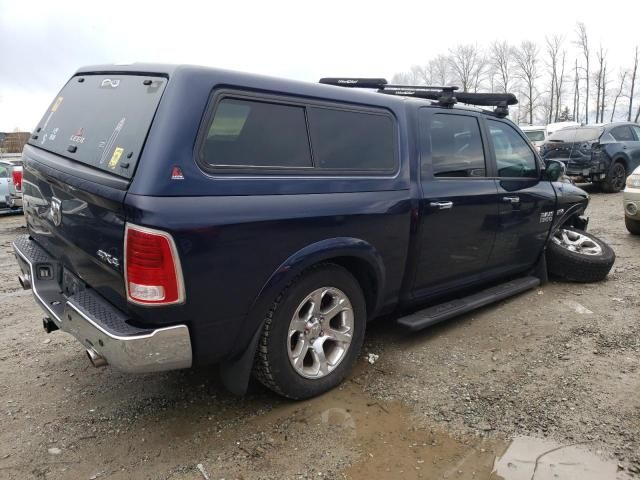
(98, 325)
(444, 311)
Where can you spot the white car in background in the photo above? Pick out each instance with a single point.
(631, 202)
(536, 134)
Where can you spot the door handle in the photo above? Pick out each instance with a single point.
(512, 200)
(442, 205)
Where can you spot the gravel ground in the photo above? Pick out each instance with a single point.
(560, 362)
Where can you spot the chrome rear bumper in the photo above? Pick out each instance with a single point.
(96, 323)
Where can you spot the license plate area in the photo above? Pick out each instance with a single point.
(71, 284)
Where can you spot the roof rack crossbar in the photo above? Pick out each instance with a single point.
(444, 95)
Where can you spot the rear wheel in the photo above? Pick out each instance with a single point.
(312, 334)
(615, 178)
(578, 256)
(632, 225)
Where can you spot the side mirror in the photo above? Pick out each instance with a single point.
(554, 170)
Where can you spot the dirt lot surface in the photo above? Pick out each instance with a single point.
(544, 385)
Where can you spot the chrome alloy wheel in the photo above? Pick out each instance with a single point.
(320, 332)
(576, 242)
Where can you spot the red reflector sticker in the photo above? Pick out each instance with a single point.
(176, 174)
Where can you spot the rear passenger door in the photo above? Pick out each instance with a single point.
(458, 208)
(524, 200)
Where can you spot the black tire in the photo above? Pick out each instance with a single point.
(632, 225)
(579, 267)
(615, 178)
(272, 366)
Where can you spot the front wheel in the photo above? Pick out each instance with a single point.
(312, 334)
(632, 225)
(578, 256)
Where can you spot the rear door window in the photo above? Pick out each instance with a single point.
(101, 120)
(247, 133)
(456, 146)
(623, 134)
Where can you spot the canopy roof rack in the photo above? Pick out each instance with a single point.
(444, 95)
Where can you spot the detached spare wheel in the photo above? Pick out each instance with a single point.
(578, 256)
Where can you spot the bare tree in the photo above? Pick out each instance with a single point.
(441, 70)
(603, 96)
(583, 43)
(466, 65)
(526, 58)
(598, 77)
(633, 85)
(553, 50)
(623, 76)
(576, 93)
(502, 61)
(560, 85)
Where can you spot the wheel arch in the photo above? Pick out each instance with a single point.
(357, 256)
(621, 158)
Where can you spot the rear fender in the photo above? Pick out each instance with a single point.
(235, 372)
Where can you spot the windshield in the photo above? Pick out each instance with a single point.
(576, 135)
(535, 135)
(101, 120)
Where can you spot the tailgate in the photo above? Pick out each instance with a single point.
(74, 219)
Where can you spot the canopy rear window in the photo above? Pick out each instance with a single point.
(101, 120)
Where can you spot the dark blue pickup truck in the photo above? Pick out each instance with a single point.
(181, 216)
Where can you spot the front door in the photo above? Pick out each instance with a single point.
(527, 204)
(458, 207)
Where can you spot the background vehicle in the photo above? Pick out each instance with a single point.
(631, 202)
(11, 182)
(14, 199)
(265, 221)
(552, 128)
(536, 134)
(600, 154)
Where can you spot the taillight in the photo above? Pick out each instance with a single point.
(16, 176)
(152, 267)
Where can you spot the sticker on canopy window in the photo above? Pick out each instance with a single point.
(112, 140)
(115, 158)
(56, 104)
(78, 136)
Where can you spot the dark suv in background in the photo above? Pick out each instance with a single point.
(181, 216)
(600, 154)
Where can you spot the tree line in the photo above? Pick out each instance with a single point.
(566, 78)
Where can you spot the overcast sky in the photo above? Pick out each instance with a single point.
(43, 42)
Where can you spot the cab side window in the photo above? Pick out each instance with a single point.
(456, 146)
(514, 157)
(3, 172)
